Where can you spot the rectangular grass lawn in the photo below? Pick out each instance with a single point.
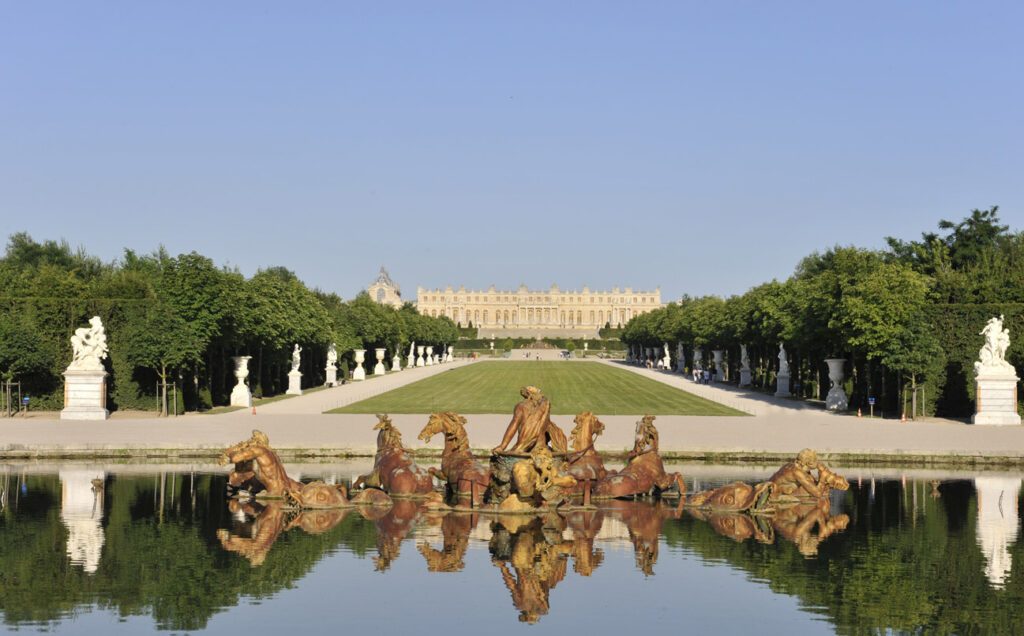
(572, 387)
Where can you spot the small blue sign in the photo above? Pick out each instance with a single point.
(24, 400)
(871, 401)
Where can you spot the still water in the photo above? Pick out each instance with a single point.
(135, 548)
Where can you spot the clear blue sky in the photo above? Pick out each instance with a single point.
(700, 146)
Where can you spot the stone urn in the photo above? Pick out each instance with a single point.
(448, 356)
(359, 373)
(419, 355)
(379, 368)
(396, 361)
(836, 399)
(430, 355)
(240, 394)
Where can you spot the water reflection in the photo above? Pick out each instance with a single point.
(81, 511)
(926, 553)
(998, 521)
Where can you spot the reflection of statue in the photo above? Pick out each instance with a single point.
(644, 522)
(260, 471)
(393, 526)
(265, 521)
(455, 529)
(792, 483)
(531, 424)
(89, 346)
(296, 357)
(992, 356)
(466, 477)
(394, 470)
(795, 524)
(644, 471)
(538, 563)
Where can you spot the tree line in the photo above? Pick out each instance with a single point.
(179, 319)
(906, 317)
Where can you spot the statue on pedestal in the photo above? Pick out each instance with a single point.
(992, 356)
(89, 346)
(296, 357)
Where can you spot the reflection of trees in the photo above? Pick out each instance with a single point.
(906, 562)
(161, 555)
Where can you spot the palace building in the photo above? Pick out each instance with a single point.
(537, 313)
(384, 290)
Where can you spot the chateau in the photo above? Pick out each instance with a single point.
(384, 290)
(525, 312)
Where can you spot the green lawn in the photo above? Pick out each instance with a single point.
(493, 387)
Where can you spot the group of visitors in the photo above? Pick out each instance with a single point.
(703, 376)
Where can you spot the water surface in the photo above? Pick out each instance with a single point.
(126, 549)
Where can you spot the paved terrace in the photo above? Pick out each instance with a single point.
(296, 426)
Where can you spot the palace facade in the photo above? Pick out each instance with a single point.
(384, 290)
(526, 312)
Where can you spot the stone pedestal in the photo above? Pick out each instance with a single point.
(396, 362)
(430, 357)
(448, 354)
(379, 368)
(331, 373)
(719, 364)
(782, 389)
(419, 357)
(744, 377)
(85, 395)
(294, 383)
(836, 399)
(359, 373)
(996, 399)
(240, 394)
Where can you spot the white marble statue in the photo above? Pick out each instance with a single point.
(783, 362)
(332, 355)
(410, 360)
(89, 346)
(296, 357)
(992, 357)
(667, 360)
(744, 366)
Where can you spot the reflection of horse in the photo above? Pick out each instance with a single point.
(466, 477)
(644, 471)
(394, 471)
(455, 529)
(585, 525)
(644, 522)
(392, 528)
(583, 462)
